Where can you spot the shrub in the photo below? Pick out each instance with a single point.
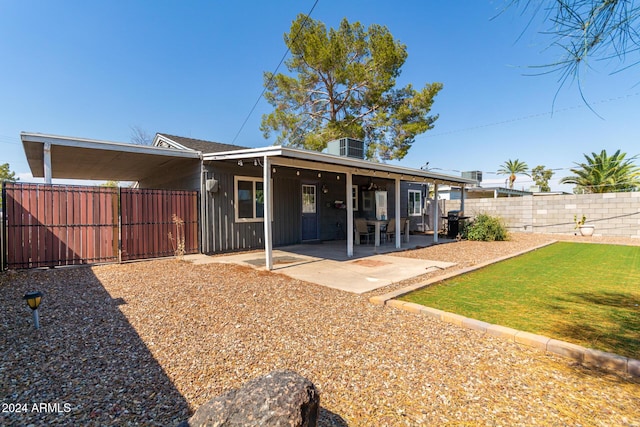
(486, 228)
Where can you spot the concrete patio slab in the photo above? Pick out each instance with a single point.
(326, 264)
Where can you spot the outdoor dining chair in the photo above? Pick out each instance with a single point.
(362, 230)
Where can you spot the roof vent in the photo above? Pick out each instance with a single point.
(346, 147)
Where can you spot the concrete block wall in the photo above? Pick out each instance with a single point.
(613, 214)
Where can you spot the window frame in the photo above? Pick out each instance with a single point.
(236, 205)
(315, 198)
(419, 204)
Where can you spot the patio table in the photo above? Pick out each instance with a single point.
(377, 224)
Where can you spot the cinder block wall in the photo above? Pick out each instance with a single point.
(613, 214)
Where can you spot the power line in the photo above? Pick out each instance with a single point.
(531, 116)
(306, 18)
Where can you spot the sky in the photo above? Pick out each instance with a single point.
(195, 69)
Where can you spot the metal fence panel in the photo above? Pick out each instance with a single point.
(54, 225)
(147, 221)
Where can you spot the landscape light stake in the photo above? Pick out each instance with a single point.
(33, 299)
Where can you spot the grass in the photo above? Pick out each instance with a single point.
(587, 294)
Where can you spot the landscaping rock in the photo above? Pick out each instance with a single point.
(281, 398)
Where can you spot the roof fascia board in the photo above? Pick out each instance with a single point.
(378, 167)
(360, 166)
(244, 154)
(104, 145)
(326, 167)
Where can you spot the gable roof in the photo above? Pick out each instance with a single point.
(181, 142)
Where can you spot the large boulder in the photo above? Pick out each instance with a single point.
(281, 398)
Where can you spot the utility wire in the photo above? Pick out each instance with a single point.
(306, 18)
(531, 116)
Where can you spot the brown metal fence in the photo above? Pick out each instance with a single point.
(147, 218)
(54, 225)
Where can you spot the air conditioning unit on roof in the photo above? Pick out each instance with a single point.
(346, 147)
(475, 175)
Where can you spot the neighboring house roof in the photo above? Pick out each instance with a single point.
(182, 143)
(498, 192)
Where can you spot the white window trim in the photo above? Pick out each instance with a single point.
(252, 179)
(419, 204)
(315, 198)
(354, 195)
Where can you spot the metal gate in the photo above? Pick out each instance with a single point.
(54, 225)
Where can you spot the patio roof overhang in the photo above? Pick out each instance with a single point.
(52, 156)
(305, 159)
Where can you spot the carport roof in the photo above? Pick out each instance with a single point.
(81, 158)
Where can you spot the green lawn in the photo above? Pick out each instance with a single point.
(588, 294)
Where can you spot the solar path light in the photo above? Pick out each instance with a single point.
(33, 299)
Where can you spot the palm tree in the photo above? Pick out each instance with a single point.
(605, 174)
(513, 167)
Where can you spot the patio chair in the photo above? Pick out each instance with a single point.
(391, 230)
(362, 230)
(403, 225)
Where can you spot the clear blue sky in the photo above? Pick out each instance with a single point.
(94, 69)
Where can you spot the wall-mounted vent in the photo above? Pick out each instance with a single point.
(475, 175)
(346, 147)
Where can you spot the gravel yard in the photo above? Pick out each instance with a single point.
(146, 343)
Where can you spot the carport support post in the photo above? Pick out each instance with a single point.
(348, 199)
(47, 162)
(436, 214)
(268, 237)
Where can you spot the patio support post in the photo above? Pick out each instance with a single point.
(462, 198)
(436, 214)
(348, 199)
(268, 238)
(397, 218)
(47, 163)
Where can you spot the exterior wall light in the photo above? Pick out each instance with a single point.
(34, 299)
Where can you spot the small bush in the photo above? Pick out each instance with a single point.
(486, 228)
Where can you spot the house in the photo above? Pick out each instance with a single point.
(249, 197)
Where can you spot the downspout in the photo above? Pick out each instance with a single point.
(204, 220)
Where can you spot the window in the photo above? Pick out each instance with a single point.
(354, 196)
(367, 200)
(249, 195)
(415, 203)
(308, 198)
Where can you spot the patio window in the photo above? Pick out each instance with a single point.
(354, 196)
(249, 196)
(415, 203)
